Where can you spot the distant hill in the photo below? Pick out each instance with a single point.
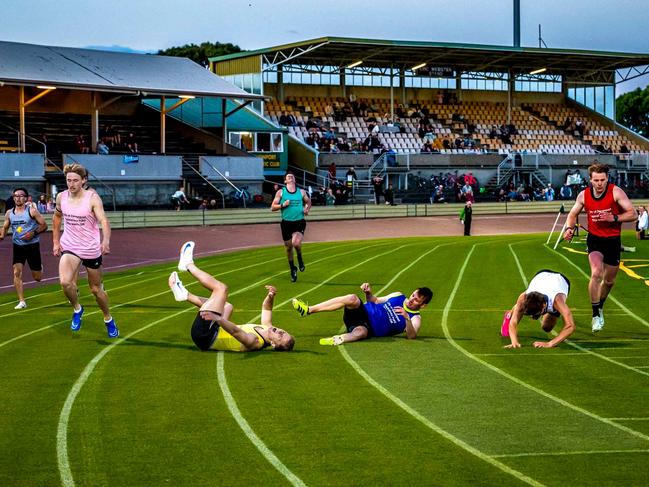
(118, 49)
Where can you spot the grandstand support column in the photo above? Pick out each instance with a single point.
(94, 123)
(24, 104)
(510, 91)
(163, 125)
(402, 83)
(280, 83)
(224, 107)
(391, 93)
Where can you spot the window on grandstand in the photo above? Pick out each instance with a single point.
(303, 75)
(371, 77)
(250, 82)
(538, 83)
(484, 81)
(598, 98)
(411, 80)
(258, 141)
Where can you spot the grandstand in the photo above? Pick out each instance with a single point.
(453, 102)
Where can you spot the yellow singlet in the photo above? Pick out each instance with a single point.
(225, 341)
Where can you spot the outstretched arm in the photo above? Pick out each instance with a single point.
(267, 307)
(568, 323)
(248, 340)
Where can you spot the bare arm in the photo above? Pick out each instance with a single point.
(267, 307)
(56, 227)
(517, 314)
(630, 214)
(307, 202)
(5, 226)
(568, 323)
(412, 324)
(98, 209)
(276, 205)
(571, 221)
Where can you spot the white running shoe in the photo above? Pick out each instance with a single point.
(597, 324)
(21, 305)
(186, 255)
(601, 316)
(176, 286)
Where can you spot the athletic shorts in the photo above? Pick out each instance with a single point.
(290, 227)
(354, 317)
(204, 332)
(30, 253)
(609, 247)
(87, 263)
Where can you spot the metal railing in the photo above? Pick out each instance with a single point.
(207, 181)
(238, 190)
(18, 137)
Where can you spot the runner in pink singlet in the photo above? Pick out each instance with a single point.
(81, 212)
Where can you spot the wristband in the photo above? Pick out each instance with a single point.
(615, 218)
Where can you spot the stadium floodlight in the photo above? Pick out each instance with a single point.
(354, 64)
(46, 87)
(186, 97)
(540, 70)
(415, 68)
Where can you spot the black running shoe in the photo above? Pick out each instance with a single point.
(300, 265)
(294, 274)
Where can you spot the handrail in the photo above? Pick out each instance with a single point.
(205, 179)
(316, 176)
(111, 190)
(380, 161)
(502, 165)
(18, 133)
(227, 180)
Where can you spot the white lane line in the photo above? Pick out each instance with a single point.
(419, 417)
(567, 453)
(64, 418)
(538, 354)
(575, 345)
(629, 419)
(610, 296)
(514, 379)
(248, 431)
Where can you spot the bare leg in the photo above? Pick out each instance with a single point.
(217, 300)
(68, 275)
(97, 288)
(596, 276)
(610, 273)
(18, 281)
(288, 246)
(358, 333)
(348, 301)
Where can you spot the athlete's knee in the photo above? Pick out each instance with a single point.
(609, 281)
(96, 288)
(360, 332)
(38, 276)
(219, 287)
(351, 300)
(18, 273)
(597, 274)
(68, 283)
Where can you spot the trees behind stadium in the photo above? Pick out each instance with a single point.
(201, 53)
(632, 110)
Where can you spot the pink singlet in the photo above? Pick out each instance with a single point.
(80, 229)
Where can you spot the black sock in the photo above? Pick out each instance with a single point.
(299, 257)
(596, 307)
(291, 265)
(601, 303)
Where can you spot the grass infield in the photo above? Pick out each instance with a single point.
(450, 408)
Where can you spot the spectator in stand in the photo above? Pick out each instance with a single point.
(389, 195)
(131, 143)
(440, 98)
(467, 193)
(624, 149)
(102, 148)
(565, 192)
(493, 133)
(82, 146)
(178, 199)
(437, 145)
(438, 195)
(112, 137)
(204, 204)
(350, 180)
(567, 124)
(580, 127)
(549, 193)
(51, 205)
(330, 199)
(427, 147)
(41, 205)
(446, 143)
(329, 110)
(377, 184)
(284, 120)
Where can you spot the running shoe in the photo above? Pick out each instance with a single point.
(332, 341)
(601, 315)
(76, 320)
(504, 328)
(186, 255)
(300, 306)
(176, 286)
(21, 305)
(300, 265)
(111, 328)
(293, 274)
(597, 324)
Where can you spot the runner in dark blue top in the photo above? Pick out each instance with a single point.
(377, 317)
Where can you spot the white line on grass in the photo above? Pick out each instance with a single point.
(249, 432)
(629, 419)
(64, 418)
(610, 296)
(419, 417)
(514, 379)
(566, 453)
(575, 345)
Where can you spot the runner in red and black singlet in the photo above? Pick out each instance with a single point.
(607, 207)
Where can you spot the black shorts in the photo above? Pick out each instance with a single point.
(204, 332)
(354, 317)
(290, 227)
(609, 247)
(87, 263)
(30, 253)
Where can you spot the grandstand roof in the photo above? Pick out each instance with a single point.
(571, 63)
(87, 69)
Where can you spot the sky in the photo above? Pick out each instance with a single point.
(149, 25)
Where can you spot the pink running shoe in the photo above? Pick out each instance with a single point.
(504, 329)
